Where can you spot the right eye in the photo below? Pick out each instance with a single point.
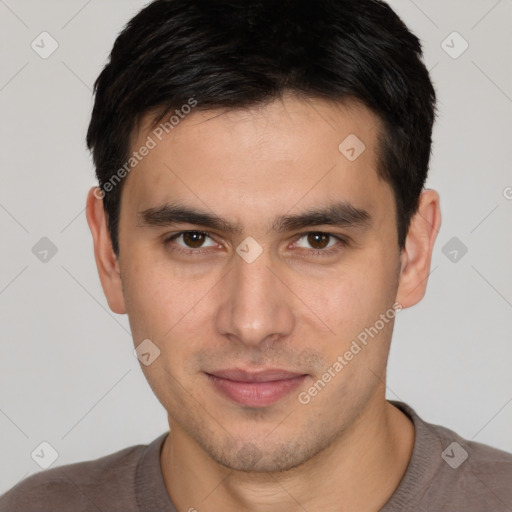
(189, 240)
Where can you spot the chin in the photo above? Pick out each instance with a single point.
(265, 457)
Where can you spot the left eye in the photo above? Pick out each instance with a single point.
(317, 241)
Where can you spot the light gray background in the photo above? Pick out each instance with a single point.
(67, 373)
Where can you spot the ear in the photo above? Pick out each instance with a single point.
(415, 258)
(106, 260)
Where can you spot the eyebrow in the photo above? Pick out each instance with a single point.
(340, 214)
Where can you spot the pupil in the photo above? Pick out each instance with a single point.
(193, 239)
(318, 238)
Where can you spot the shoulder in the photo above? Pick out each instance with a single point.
(484, 473)
(457, 473)
(80, 487)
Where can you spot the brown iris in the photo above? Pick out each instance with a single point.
(321, 239)
(194, 239)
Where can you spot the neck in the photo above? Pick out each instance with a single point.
(359, 471)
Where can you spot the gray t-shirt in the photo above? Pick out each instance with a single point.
(445, 474)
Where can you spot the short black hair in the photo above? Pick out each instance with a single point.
(240, 53)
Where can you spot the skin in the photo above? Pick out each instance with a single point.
(348, 448)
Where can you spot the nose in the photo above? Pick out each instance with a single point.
(255, 307)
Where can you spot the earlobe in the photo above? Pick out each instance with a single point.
(417, 254)
(106, 260)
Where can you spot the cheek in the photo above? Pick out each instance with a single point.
(167, 309)
(356, 295)
(159, 297)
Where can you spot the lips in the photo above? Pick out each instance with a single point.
(255, 389)
(260, 376)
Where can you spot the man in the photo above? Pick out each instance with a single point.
(262, 218)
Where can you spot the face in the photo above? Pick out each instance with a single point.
(268, 286)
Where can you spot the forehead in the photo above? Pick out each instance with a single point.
(262, 159)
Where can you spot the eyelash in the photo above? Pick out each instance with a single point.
(344, 242)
